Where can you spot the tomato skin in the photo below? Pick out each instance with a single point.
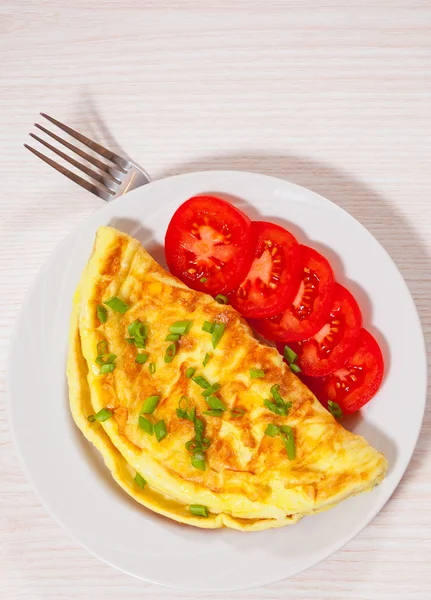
(307, 313)
(272, 279)
(209, 244)
(361, 375)
(331, 346)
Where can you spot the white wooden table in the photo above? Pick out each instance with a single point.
(332, 95)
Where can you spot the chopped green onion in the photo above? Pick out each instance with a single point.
(272, 430)
(289, 441)
(146, 425)
(117, 304)
(107, 368)
(201, 381)
(237, 412)
(137, 329)
(198, 460)
(150, 405)
(152, 368)
(295, 368)
(198, 510)
(208, 327)
(257, 373)
(139, 342)
(181, 327)
(190, 372)
(130, 340)
(102, 347)
(171, 351)
(142, 358)
(221, 299)
(215, 412)
(139, 480)
(206, 359)
(217, 333)
(215, 403)
(275, 393)
(335, 409)
(203, 279)
(172, 337)
(211, 389)
(282, 409)
(183, 411)
(160, 430)
(289, 355)
(199, 429)
(103, 415)
(101, 313)
(105, 359)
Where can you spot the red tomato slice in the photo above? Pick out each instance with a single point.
(357, 381)
(331, 346)
(273, 276)
(308, 310)
(209, 245)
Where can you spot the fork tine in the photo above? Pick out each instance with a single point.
(91, 159)
(76, 178)
(105, 179)
(118, 160)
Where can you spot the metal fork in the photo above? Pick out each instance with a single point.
(113, 178)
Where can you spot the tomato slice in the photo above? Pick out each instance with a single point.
(209, 245)
(357, 381)
(273, 276)
(308, 310)
(331, 346)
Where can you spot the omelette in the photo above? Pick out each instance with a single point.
(195, 418)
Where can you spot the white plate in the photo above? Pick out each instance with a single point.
(69, 475)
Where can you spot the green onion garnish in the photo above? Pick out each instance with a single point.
(160, 430)
(142, 358)
(190, 372)
(105, 359)
(172, 337)
(289, 441)
(215, 403)
(130, 340)
(101, 313)
(237, 412)
(216, 412)
(152, 368)
(221, 299)
(117, 304)
(104, 369)
(102, 347)
(295, 368)
(146, 425)
(139, 480)
(279, 406)
(150, 405)
(199, 429)
(335, 409)
(198, 460)
(211, 389)
(137, 329)
(171, 351)
(289, 355)
(198, 510)
(203, 279)
(180, 327)
(183, 410)
(275, 393)
(206, 359)
(201, 381)
(208, 327)
(257, 373)
(103, 415)
(272, 430)
(217, 333)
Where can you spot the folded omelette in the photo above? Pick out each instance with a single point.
(195, 418)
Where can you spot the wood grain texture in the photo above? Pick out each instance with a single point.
(332, 95)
